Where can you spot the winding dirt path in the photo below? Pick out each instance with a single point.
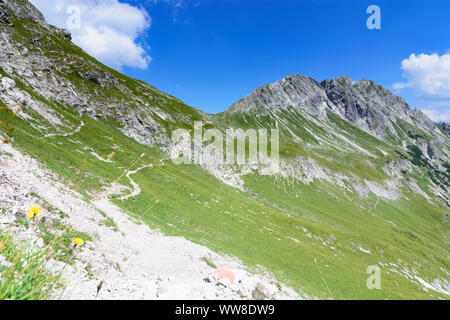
(136, 189)
(132, 261)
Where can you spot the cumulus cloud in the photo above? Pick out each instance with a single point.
(107, 29)
(437, 115)
(428, 76)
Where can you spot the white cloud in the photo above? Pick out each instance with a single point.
(429, 75)
(437, 115)
(401, 85)
(108, 29)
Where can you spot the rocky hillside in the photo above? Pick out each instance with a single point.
(363, 181)
(44, 59)
(311, 112)
(363, 103)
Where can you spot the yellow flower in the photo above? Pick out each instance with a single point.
(34, 211)
(78, 241)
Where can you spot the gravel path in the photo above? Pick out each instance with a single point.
(134, 262)
(136, 189)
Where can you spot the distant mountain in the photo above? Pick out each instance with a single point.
(363, 103)
(341, 115)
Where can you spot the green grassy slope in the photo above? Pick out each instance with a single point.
(264, 227)
(315, 237)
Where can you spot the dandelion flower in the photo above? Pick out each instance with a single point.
(78, 242)
(34, 211)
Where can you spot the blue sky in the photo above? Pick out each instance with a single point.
(211, 53)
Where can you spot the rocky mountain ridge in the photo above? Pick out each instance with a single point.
(43, 57)
(363, 103)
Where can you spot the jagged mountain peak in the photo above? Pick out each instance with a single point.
(298, 91)
(367, 89)
(363, 103)
(445, 126)
(20, 10)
